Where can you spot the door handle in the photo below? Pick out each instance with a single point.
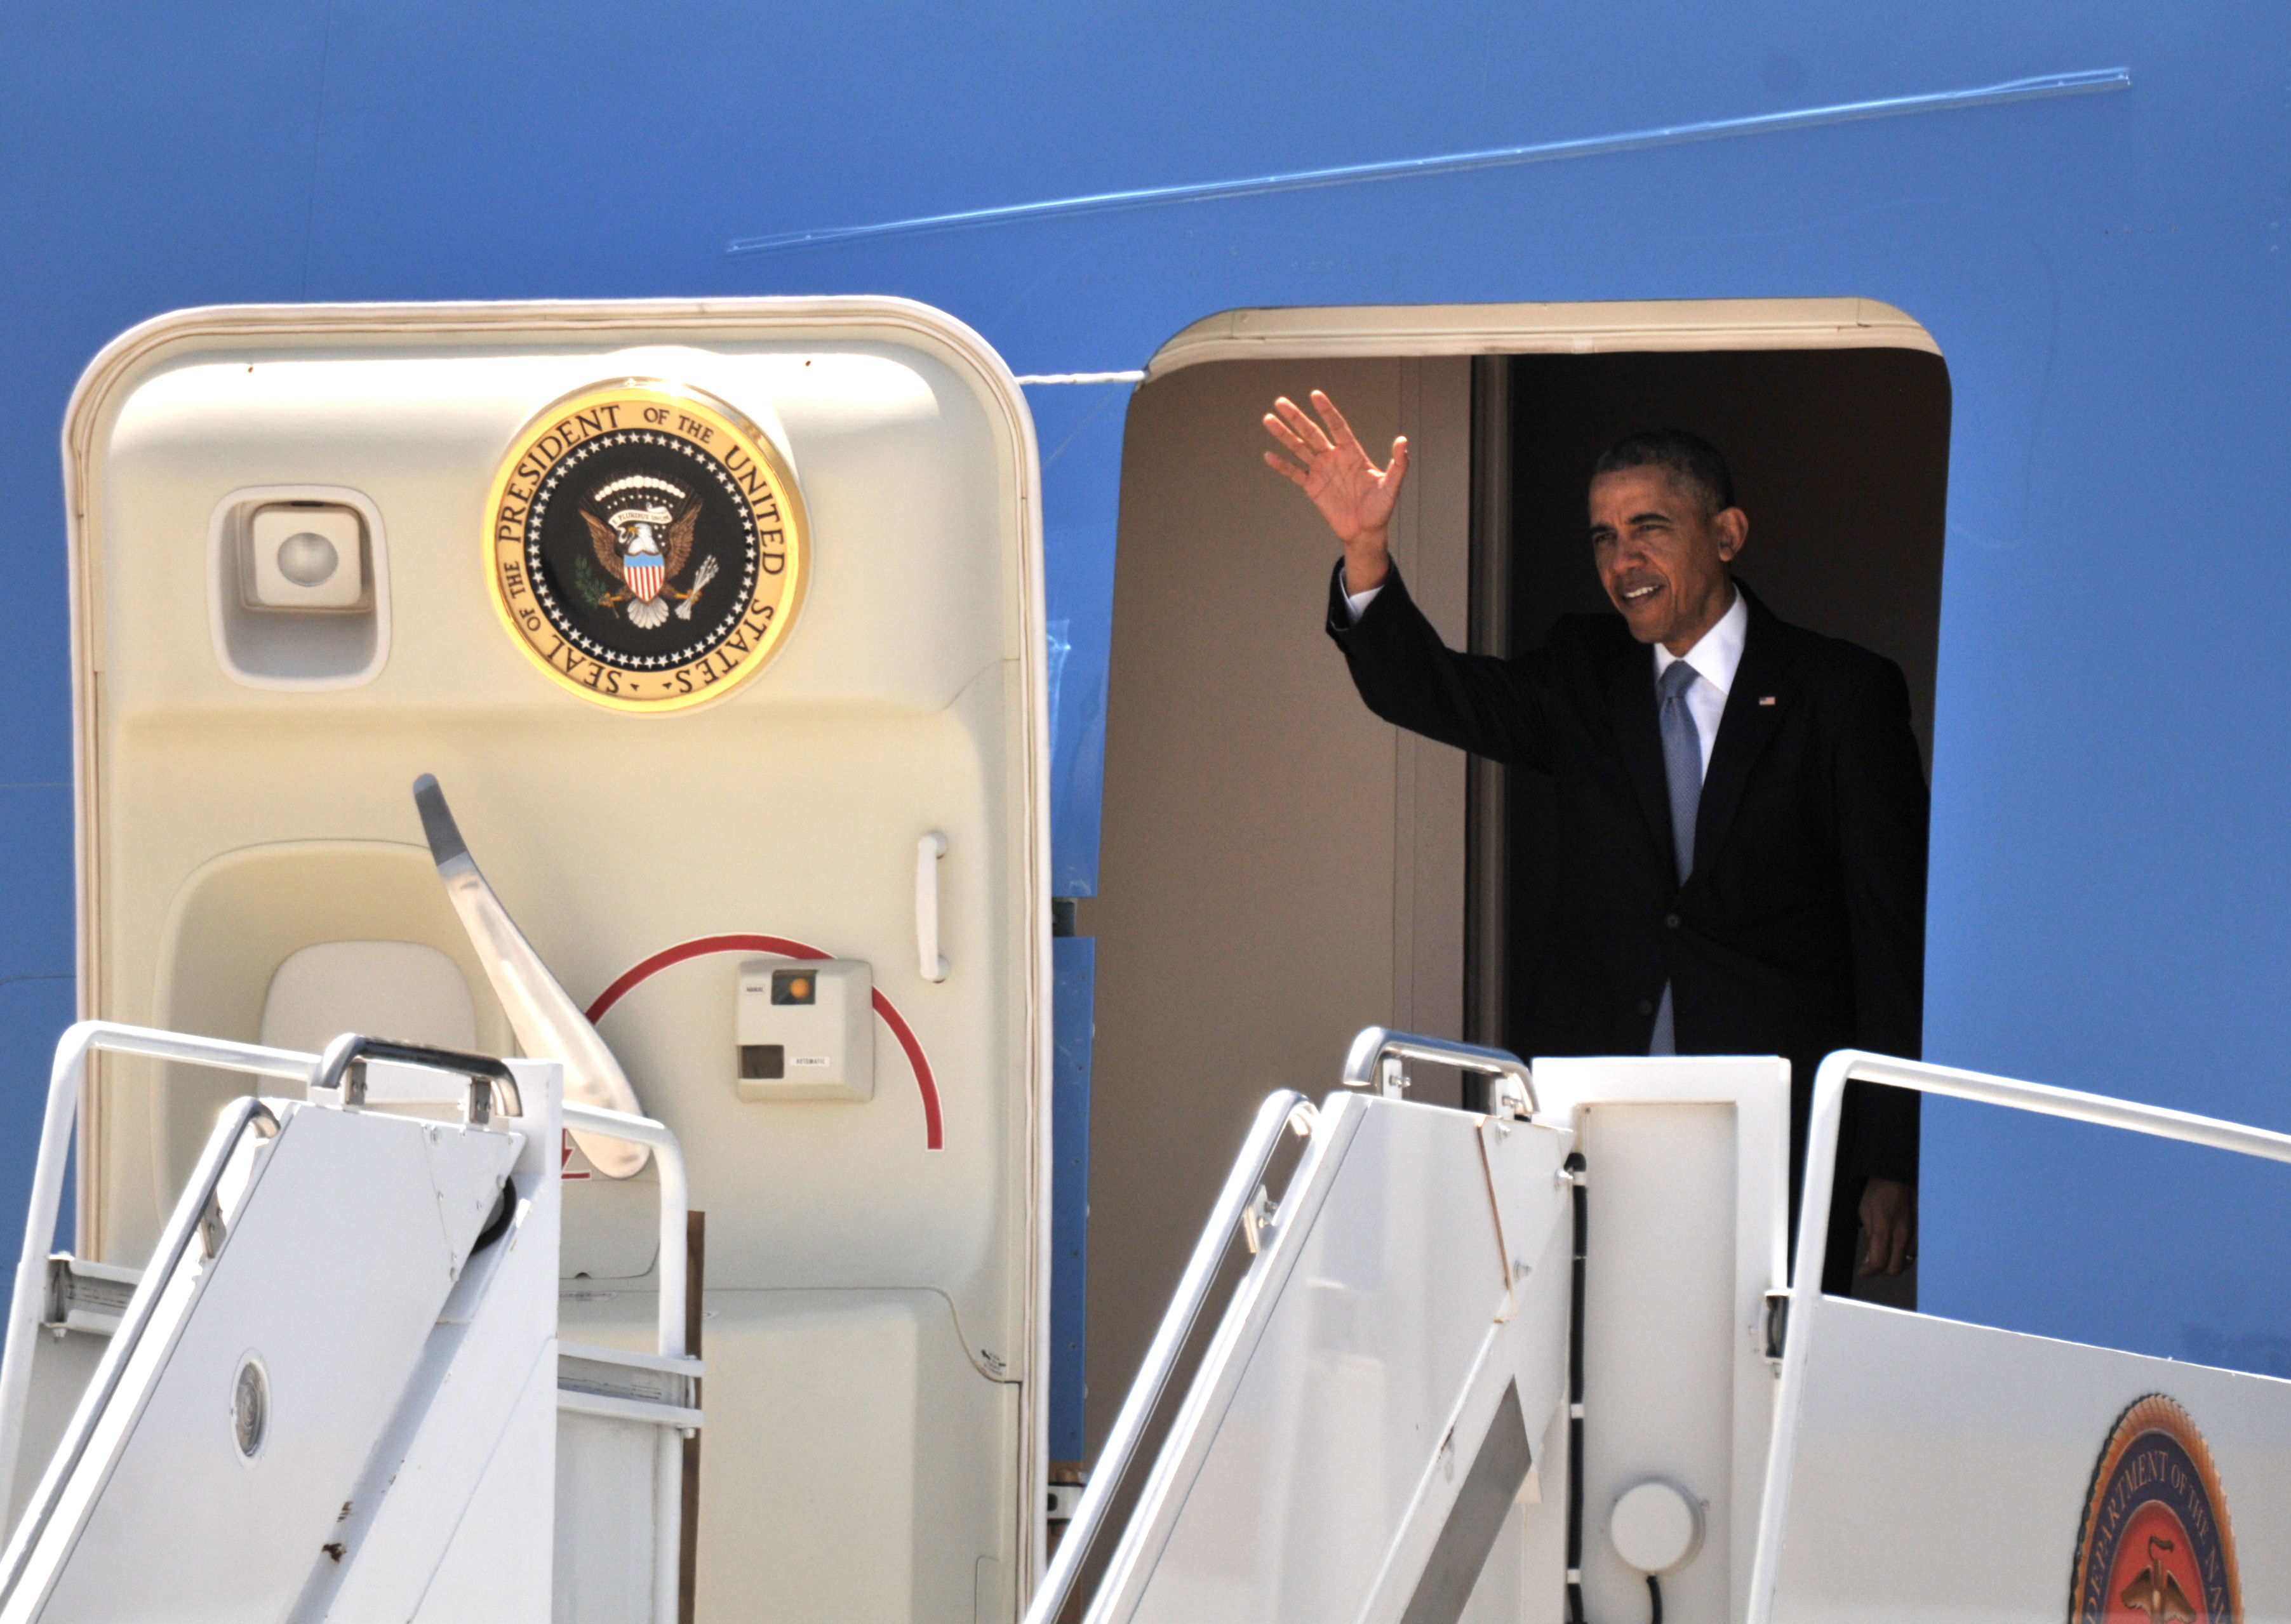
(929, 850)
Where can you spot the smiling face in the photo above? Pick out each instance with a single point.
(1661, 557)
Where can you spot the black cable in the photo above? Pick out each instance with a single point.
(504, 1207)
(1575, 1165)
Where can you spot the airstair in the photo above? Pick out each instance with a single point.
(1539, 1362)
(336, 1390)
(1547, 1363)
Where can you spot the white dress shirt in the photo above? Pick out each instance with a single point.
(1358, 602)
(1715, 659)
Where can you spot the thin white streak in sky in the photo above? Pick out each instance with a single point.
(1455, 162)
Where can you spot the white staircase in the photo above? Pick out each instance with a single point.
(1422, 1406)
(1440, 1393)
(333, 1393)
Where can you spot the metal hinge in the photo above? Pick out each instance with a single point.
(83, 1296)
(1256, 1218)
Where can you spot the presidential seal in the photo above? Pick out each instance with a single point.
(646, 545)
(2155, 1547)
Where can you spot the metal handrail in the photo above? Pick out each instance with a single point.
(64, 1076)
(668, 1445)
(675, 1199)
(1376, 1044)
(493, 1087)
(183, 1226)
(327, 1072)
(64, 1080)
(1806, 1296)
(1279, 1110)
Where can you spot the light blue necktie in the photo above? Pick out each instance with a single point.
(1682, 762)
(1681, 767)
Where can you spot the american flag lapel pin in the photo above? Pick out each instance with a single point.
(1768, 700)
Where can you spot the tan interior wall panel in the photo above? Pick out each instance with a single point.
(1279, 867)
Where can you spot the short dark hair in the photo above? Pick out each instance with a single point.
(1697, 465)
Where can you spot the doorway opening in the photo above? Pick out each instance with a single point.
(1840, 457)
(1278, 868)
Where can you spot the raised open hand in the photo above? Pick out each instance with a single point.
(1353, 494)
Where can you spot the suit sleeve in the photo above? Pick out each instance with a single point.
(1492, 707)
(1882, 813)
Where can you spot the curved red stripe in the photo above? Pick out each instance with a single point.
(698, 947)
(933, 1132)
(933, 1138)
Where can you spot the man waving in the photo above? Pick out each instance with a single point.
(1739, 854)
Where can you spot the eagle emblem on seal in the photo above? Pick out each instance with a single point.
(646, 544)
(641, 527)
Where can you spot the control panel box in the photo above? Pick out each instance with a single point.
(807, 1029)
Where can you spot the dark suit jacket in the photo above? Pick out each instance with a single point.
(1801, 929)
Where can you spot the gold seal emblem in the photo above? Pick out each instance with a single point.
(646, 545)
(2155, 1540)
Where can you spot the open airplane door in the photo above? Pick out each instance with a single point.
(719, 624)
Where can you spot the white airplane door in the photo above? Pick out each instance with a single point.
(719, 624)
